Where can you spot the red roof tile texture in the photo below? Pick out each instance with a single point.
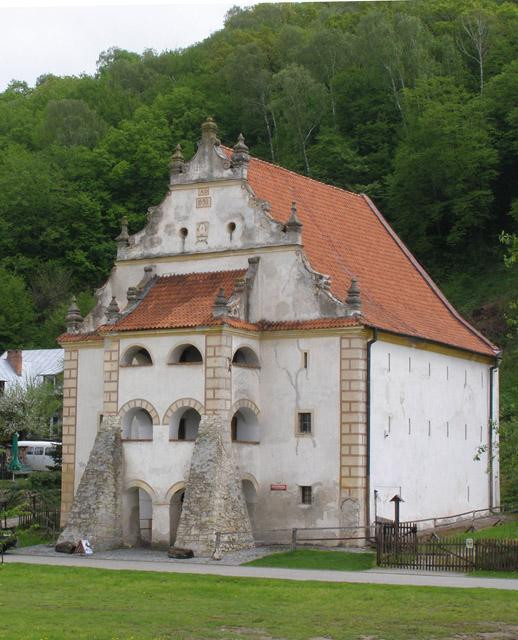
(184, 300)
(345, 236)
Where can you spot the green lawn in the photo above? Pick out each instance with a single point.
(56, 603)
(32, 536)
(310, 559)
(502, 530)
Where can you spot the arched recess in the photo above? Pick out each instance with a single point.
(136, 356)
(244, 404)
(138, 418)
(244, 426)
(245, 356)
(140, 404)
(137, 513)
(183, 402)
(250, 489)
(185, 354)
(175, 497)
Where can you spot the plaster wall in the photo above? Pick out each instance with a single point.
(285, 458)
(89, 405)
(429, 413)
(205, 211)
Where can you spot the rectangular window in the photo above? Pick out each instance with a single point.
(38, 451)
(306, 495)
(305, 359)
(304, 425)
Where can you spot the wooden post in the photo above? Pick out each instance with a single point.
(293, 539)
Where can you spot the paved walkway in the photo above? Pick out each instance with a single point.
(372, 576)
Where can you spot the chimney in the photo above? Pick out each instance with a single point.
(15, 359)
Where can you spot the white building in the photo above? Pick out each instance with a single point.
(20, 367)
(291, 309)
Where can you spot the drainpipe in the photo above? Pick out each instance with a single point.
(490, 430)
(368, 412)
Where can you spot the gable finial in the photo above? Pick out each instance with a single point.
(220, 307)
(123, 238)
(240, 155)
(294, 224)
(177, 160)
(73, 319)
(209, 131)
(112, 310)
(353, 299)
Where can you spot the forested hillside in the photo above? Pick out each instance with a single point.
(415, 104)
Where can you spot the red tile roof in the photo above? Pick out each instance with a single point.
(344, 236)
(184, 300)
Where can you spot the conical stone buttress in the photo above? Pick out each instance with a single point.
(214, 501)
(96, 512)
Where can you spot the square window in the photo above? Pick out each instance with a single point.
(304, 424)
(306, 495)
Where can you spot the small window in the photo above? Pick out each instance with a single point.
(306, 495)
(30, 451)
(186, 354)
(137, 357)
(38, 451)
(305, 359)
(245, 357)
(304, 424)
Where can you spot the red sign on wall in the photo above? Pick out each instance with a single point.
(278, 487)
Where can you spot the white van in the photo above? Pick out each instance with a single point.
(36, 454)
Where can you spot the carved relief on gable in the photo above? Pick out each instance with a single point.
(202, 232)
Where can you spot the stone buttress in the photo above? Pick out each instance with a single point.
(95, 514)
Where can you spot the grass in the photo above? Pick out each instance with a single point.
(495, 574)
(32, 536)
(311, 559)
(61, 603)
(507, 530)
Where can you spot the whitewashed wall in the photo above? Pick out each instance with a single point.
(89, 404)
(429, 414)
(283, 457)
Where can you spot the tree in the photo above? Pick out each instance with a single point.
(28, 410)
(301, 102)
(17, 316)
(440, 190)
(473, 40)
(250, 80)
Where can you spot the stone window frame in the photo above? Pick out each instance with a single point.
(304, 434)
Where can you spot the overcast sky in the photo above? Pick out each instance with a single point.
(67, 39)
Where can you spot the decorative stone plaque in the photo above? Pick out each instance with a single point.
(202, 232)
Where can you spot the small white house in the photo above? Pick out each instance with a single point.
(291, 311)
(24, 366)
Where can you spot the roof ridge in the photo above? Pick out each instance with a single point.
(425, 275)
(299, 175)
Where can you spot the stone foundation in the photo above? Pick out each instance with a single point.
(95, 514)
(214, 501)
